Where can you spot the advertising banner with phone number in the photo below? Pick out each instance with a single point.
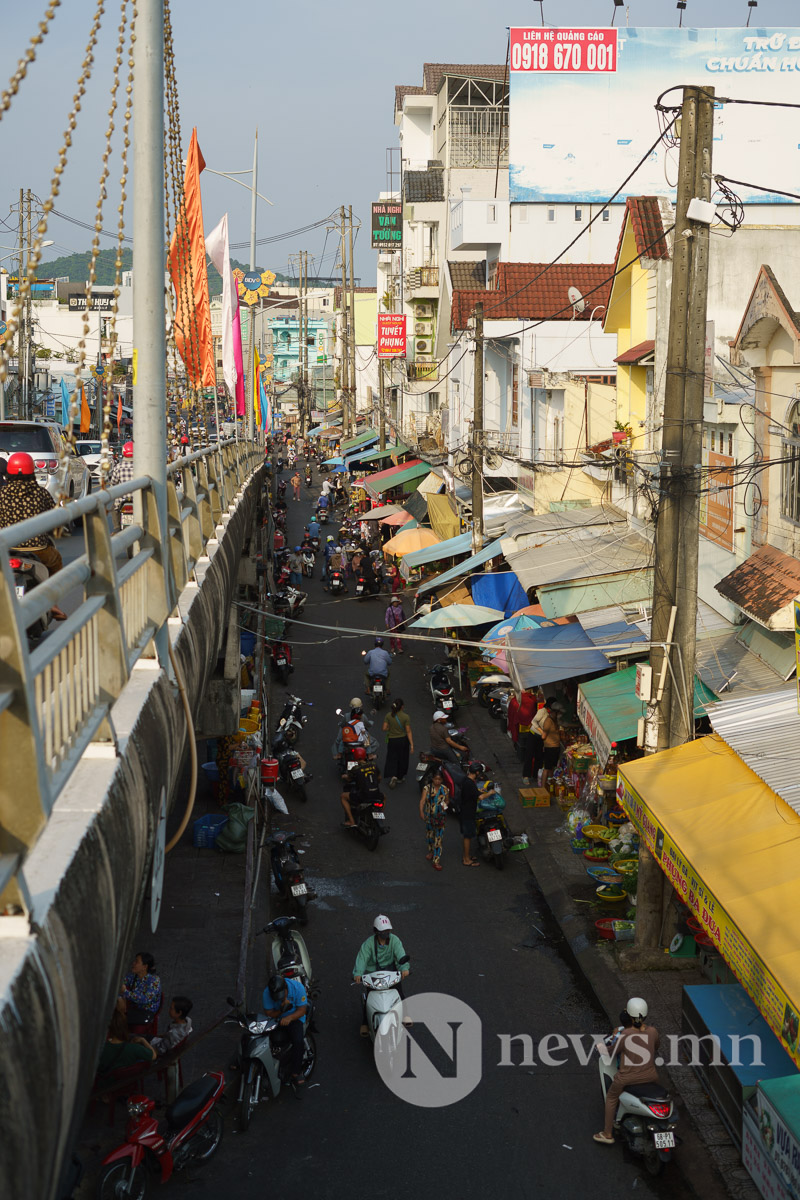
(780, 1013)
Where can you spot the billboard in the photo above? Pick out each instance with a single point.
(253, 285)
(391, 335)
(582, 109)
(387, 225)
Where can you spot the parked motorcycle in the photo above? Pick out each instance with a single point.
(288, 951)
(291, 768)
(191, 1132)
(287, 871)
(442, 692)
(282, 660)
(498, 703)
(292, 719)
(646, 1116)
(487, 684)
(384, 1010)
(29, 572)
(264, 1053)
(493, 834)
(288, 601)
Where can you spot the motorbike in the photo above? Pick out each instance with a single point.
(498, 703)
(369, 816)
(487, 684)
(287, 871)
(336, 581)
(442, 692)
(281, 488)
(308, 563)
(191, 1132)
(492, 832)
(361, 586)
(29, 572)
(288, 602)
(282, 660)
(384, 1010)
(308, 478)
(646, 1116)
(377, 690)
(314, 543)
(264, 1052)
(290, 766)
(288, 952)
(292, 719)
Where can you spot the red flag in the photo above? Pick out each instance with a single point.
(119, 411)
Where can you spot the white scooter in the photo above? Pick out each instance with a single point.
(646, 1116)
(384, 1014)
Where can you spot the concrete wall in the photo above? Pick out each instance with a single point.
(88, 876)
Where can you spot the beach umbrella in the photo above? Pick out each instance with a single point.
(411, 539)
(457, 616)
(401, 518)
(378, 514)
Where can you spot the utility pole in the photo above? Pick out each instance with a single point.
(21, 353)
(343, 370)
(671, 710)
(353, 375)
(29, 321)
(250, 370)
(477, 436)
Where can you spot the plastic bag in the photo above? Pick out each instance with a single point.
(577, 818)
(277, 801)
(233, 838)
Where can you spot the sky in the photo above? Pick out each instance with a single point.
(316, 78)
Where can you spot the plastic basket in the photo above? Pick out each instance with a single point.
(206, 830)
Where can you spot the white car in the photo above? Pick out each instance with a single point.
(90, 452)
(45, 443)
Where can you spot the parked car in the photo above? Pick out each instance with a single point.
(45, 442)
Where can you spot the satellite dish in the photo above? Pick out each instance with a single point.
(576, 300)
(493, 460)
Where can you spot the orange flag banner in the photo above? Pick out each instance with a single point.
(86, 416)
(187, 267)
(119, 411)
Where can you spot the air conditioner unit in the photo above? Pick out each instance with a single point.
(423, 347)
(423, 310)
(423, 328)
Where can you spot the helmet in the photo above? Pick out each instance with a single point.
(184, 441)
(382, 924)
(439, 715)
(636, 1008)
(356, 703)
(277, 988)
(20, 463)
(127, 450)
(378, 641)
(475, 768)
(329, 538)
(297, 548)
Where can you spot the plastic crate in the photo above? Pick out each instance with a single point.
(206, 830)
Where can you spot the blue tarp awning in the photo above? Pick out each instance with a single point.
(334, 462)
(360, 451)
(545, 655)
(490, 550)
(457, 545)
(499, 590)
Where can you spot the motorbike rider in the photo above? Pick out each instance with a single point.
(122, 472)
(313, 528)
(23, 497)
(383, 951)
(637, 1047)
(361, 786)
(377, 662)
(287, 1000)
(330, 546)
(442, 744)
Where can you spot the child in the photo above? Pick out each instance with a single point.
(180, 1026)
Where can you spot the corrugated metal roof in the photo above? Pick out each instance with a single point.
(611, 627)
(581, 595)
(764, 586)
(763, 730)
(530, 524)
(569, 557)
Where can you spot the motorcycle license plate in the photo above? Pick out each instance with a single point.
(126, 519)
(379, 816)
(494, 835)
(664, 1141)
(20, 590)
(359, 589)
(297, 773)
(299, 889)
(281, 662)
(378, 688)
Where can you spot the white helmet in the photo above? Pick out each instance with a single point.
(382, 924)
(356, 703)
(439, 715)
(636, 1008)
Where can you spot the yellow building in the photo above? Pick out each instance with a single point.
(631, 312)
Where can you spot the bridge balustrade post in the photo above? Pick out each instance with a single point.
(178, 563)
(193, 539)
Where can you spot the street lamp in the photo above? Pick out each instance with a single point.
(254, 196)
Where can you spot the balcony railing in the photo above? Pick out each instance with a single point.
(473, 136)
(507, 441)
(422, 277)
(423, 370)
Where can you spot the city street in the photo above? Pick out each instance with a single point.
(477, 936)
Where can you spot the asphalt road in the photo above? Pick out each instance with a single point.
(480, 935)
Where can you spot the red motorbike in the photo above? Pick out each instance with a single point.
(282, 660)
(192, 1131)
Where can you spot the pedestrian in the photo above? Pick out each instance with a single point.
(296, 485)
(433, 804)
(393, 619)
(399, 743)
(551, 735)
(296, 568)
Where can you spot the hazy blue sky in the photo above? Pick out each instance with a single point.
(317, 78)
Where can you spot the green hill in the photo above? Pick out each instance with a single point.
(75, 268)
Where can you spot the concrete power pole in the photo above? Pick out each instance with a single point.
(353, 374)
(21, 352)
(671, 710)
(343, 369)
(29, 342)
(477, 436)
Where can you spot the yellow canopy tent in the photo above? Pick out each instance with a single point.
(409, 539)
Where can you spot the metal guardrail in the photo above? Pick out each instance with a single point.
(55, 698)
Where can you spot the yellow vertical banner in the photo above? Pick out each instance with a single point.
(797, 645)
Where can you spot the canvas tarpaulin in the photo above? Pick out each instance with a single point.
(443, 518)
(499, 589)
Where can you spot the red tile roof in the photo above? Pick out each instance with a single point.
(636, 353)
(763, 584)
(536, 291)
(648, 228)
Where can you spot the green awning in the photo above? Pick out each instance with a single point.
(609, 709)
(402, 478)
(389, 452)
(369, 435)
(582, 595)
